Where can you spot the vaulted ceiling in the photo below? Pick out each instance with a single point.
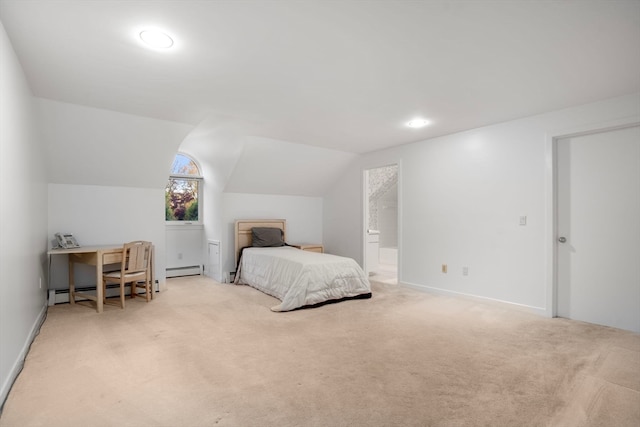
(343, 75)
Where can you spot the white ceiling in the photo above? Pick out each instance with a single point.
(344, 75)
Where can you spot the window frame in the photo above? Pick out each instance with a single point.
(194, 177)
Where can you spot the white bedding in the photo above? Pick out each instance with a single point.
(299, 278)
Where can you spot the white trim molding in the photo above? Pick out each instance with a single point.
(486, 300)
(19, 362)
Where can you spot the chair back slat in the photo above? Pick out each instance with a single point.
(136, 256)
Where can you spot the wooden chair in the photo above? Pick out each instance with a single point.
(134, 269)
(148, 284)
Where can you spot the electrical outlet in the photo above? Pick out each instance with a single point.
(444, 268)
(523, 220)
(180, 255)
(465, 271)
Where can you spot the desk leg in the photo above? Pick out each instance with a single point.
(152, 273)
(72, 283)
(99, 290)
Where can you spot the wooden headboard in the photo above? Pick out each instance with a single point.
(244, 226)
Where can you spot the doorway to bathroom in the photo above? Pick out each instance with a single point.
(381, 224)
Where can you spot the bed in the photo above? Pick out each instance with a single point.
(299, 279)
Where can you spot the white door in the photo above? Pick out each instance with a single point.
(598, 221)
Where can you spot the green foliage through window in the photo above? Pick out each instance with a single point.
(181, 193)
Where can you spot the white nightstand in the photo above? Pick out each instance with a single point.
(310, 247)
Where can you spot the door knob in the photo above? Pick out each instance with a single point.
(562, 239)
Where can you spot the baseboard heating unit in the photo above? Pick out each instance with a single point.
(192, 270)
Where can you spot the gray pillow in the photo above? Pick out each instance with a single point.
(264, 237)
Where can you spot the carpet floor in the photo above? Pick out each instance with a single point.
(209, 354)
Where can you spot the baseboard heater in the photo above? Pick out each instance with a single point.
(192, 270)
(61, 296)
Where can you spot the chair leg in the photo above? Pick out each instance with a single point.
(122, 293)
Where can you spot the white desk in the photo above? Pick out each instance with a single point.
(97, 256)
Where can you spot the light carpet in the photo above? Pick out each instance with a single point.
(209, 354)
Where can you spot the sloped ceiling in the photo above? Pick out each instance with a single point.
(293, 169)
(270, 88)
(91, 146)
(237, 163)
(344, 74)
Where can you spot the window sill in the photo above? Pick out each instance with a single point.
(185, 224)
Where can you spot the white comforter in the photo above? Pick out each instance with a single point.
(298, 278)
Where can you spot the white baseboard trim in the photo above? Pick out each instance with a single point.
(19, 362)
(438, 291)
(193, 270)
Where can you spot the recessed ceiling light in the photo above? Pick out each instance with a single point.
(156, 39)
(417, 123)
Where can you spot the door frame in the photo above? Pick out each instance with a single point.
(551, 186)
(365, 212)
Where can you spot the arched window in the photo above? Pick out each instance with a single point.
(182, 193)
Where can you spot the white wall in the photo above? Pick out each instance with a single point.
(105, 215)
(343, 212)
(23, 218)
(184, 246)
(460, 199)
(216, 150)
(238, 168)
(303, 215)
(108, 171)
